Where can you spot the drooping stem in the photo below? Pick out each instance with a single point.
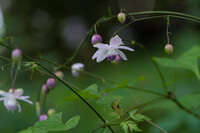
(18, 68)
(44, 103)
(156, 126)
(167, 29)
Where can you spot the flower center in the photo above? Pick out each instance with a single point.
(111, 57)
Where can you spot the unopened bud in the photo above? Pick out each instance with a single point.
(16, 54)
(169, 49)
(77, 68)
(44, 89)
(37, 106)
(96, 39)
(51, 112)
(59, 74)
(51, 82)
(121, 17)
(43, 117)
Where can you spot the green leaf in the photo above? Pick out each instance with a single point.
(187, 60)
(124, 126)
(121, 85)
(108, 100)
(53, 123)
(132, 126)
(88, 93)
(131, 113)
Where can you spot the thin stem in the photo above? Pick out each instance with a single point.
(95, 29)
(185, 109)
(44, 102)
(18, 68)
(167, 29)
(156, 126)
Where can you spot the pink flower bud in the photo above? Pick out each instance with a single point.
(121, 17)
(96, 39)
(169, 49)
(44, 89)
(16, 54)
(51, 82)
(43, 117)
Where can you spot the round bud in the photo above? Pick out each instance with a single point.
(59, 74)
(51, 112)
(51, 82)
(43, 117)
(44, 89)
(169, 49)
(96, 39)
(16, 54)
(121, 17)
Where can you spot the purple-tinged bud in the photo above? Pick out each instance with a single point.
(37, 106)
(169, 49)
(51, 112)
(59, 74)
(77, 68)
(117, 59)
(11, 104)
(43, 117)
(16, 54)
(51, 82)
(96, 39)
(121, 17)
(44, 89)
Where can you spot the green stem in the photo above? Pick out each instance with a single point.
(156, 126)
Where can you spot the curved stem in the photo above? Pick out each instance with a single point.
(156, 126)
(104, 19)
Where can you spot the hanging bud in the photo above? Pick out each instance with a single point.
(77, 68)
(16, 54)
(37, 106)
(43, 117)
(51, 82)
(44, 89)
(169, 49)
(59, 74)
(117, 60)
(96, 39)
(51, 112)
(121, 17)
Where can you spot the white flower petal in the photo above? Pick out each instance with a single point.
(97, 53)
(5, 94)
(122, 54)
(101, 46)
(116, 41)
(2, 98)
(125, 47)
(24, 98)
(18, 92)
(102, 56)
(19, 107)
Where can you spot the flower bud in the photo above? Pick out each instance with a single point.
(43, 117)
(16, 54)
(117, 59)
(59, 74)
(44, 89)
(51, 112)
(11, 104)
(51, 82)
(96, 39)
(37, 106)
(121, 17)
(169, 49)
(77, 68)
